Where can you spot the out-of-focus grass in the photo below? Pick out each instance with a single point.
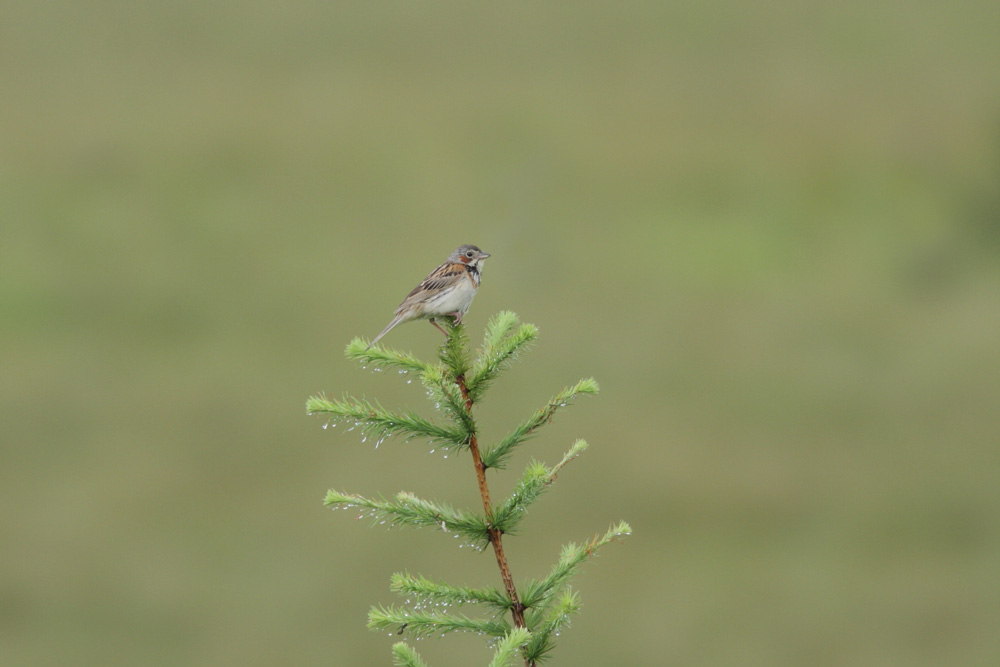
(771, 232)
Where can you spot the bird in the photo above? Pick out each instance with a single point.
(446, 292)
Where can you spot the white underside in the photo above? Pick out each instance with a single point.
(459, 298)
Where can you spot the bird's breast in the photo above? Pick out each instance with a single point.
(455, 298)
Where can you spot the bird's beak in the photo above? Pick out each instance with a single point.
(483, 255)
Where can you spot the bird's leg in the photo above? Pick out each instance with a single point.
(438, 327)
(458, 317)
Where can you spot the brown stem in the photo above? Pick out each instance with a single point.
(517, 609)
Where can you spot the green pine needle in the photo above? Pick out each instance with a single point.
(404, 656)
(501, 346)
(498, 328)
(448, 398)
(497, 456)
(419, 623)
(572, 556)
(433, 593)
(454, 353)
(379, 357)
(378, 423)
(409, 510)
(508, 649)
(549, 625)
(535, 480)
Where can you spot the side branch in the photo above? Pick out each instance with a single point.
(498, 455)
(378, 423)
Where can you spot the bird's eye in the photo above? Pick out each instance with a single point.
(468, 253)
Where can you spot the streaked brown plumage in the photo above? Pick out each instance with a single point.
(447, 291)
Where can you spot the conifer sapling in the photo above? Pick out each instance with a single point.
(522, 619)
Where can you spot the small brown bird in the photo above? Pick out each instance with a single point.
(447, 292)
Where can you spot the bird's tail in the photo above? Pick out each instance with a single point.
(396, 320)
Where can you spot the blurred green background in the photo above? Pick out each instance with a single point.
(770, 230)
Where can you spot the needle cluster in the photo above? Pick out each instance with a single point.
(521, 619)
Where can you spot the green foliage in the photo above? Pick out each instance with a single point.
(535, 480)
(423, 623)
(537, 592)
(378, 423)
(408, 510)
(539, 608)
(358, 350)
(404, 656)
(454, 354)
(507, 648)
(496, 457)
(505, 654)
(427, 592)
(503, 341)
